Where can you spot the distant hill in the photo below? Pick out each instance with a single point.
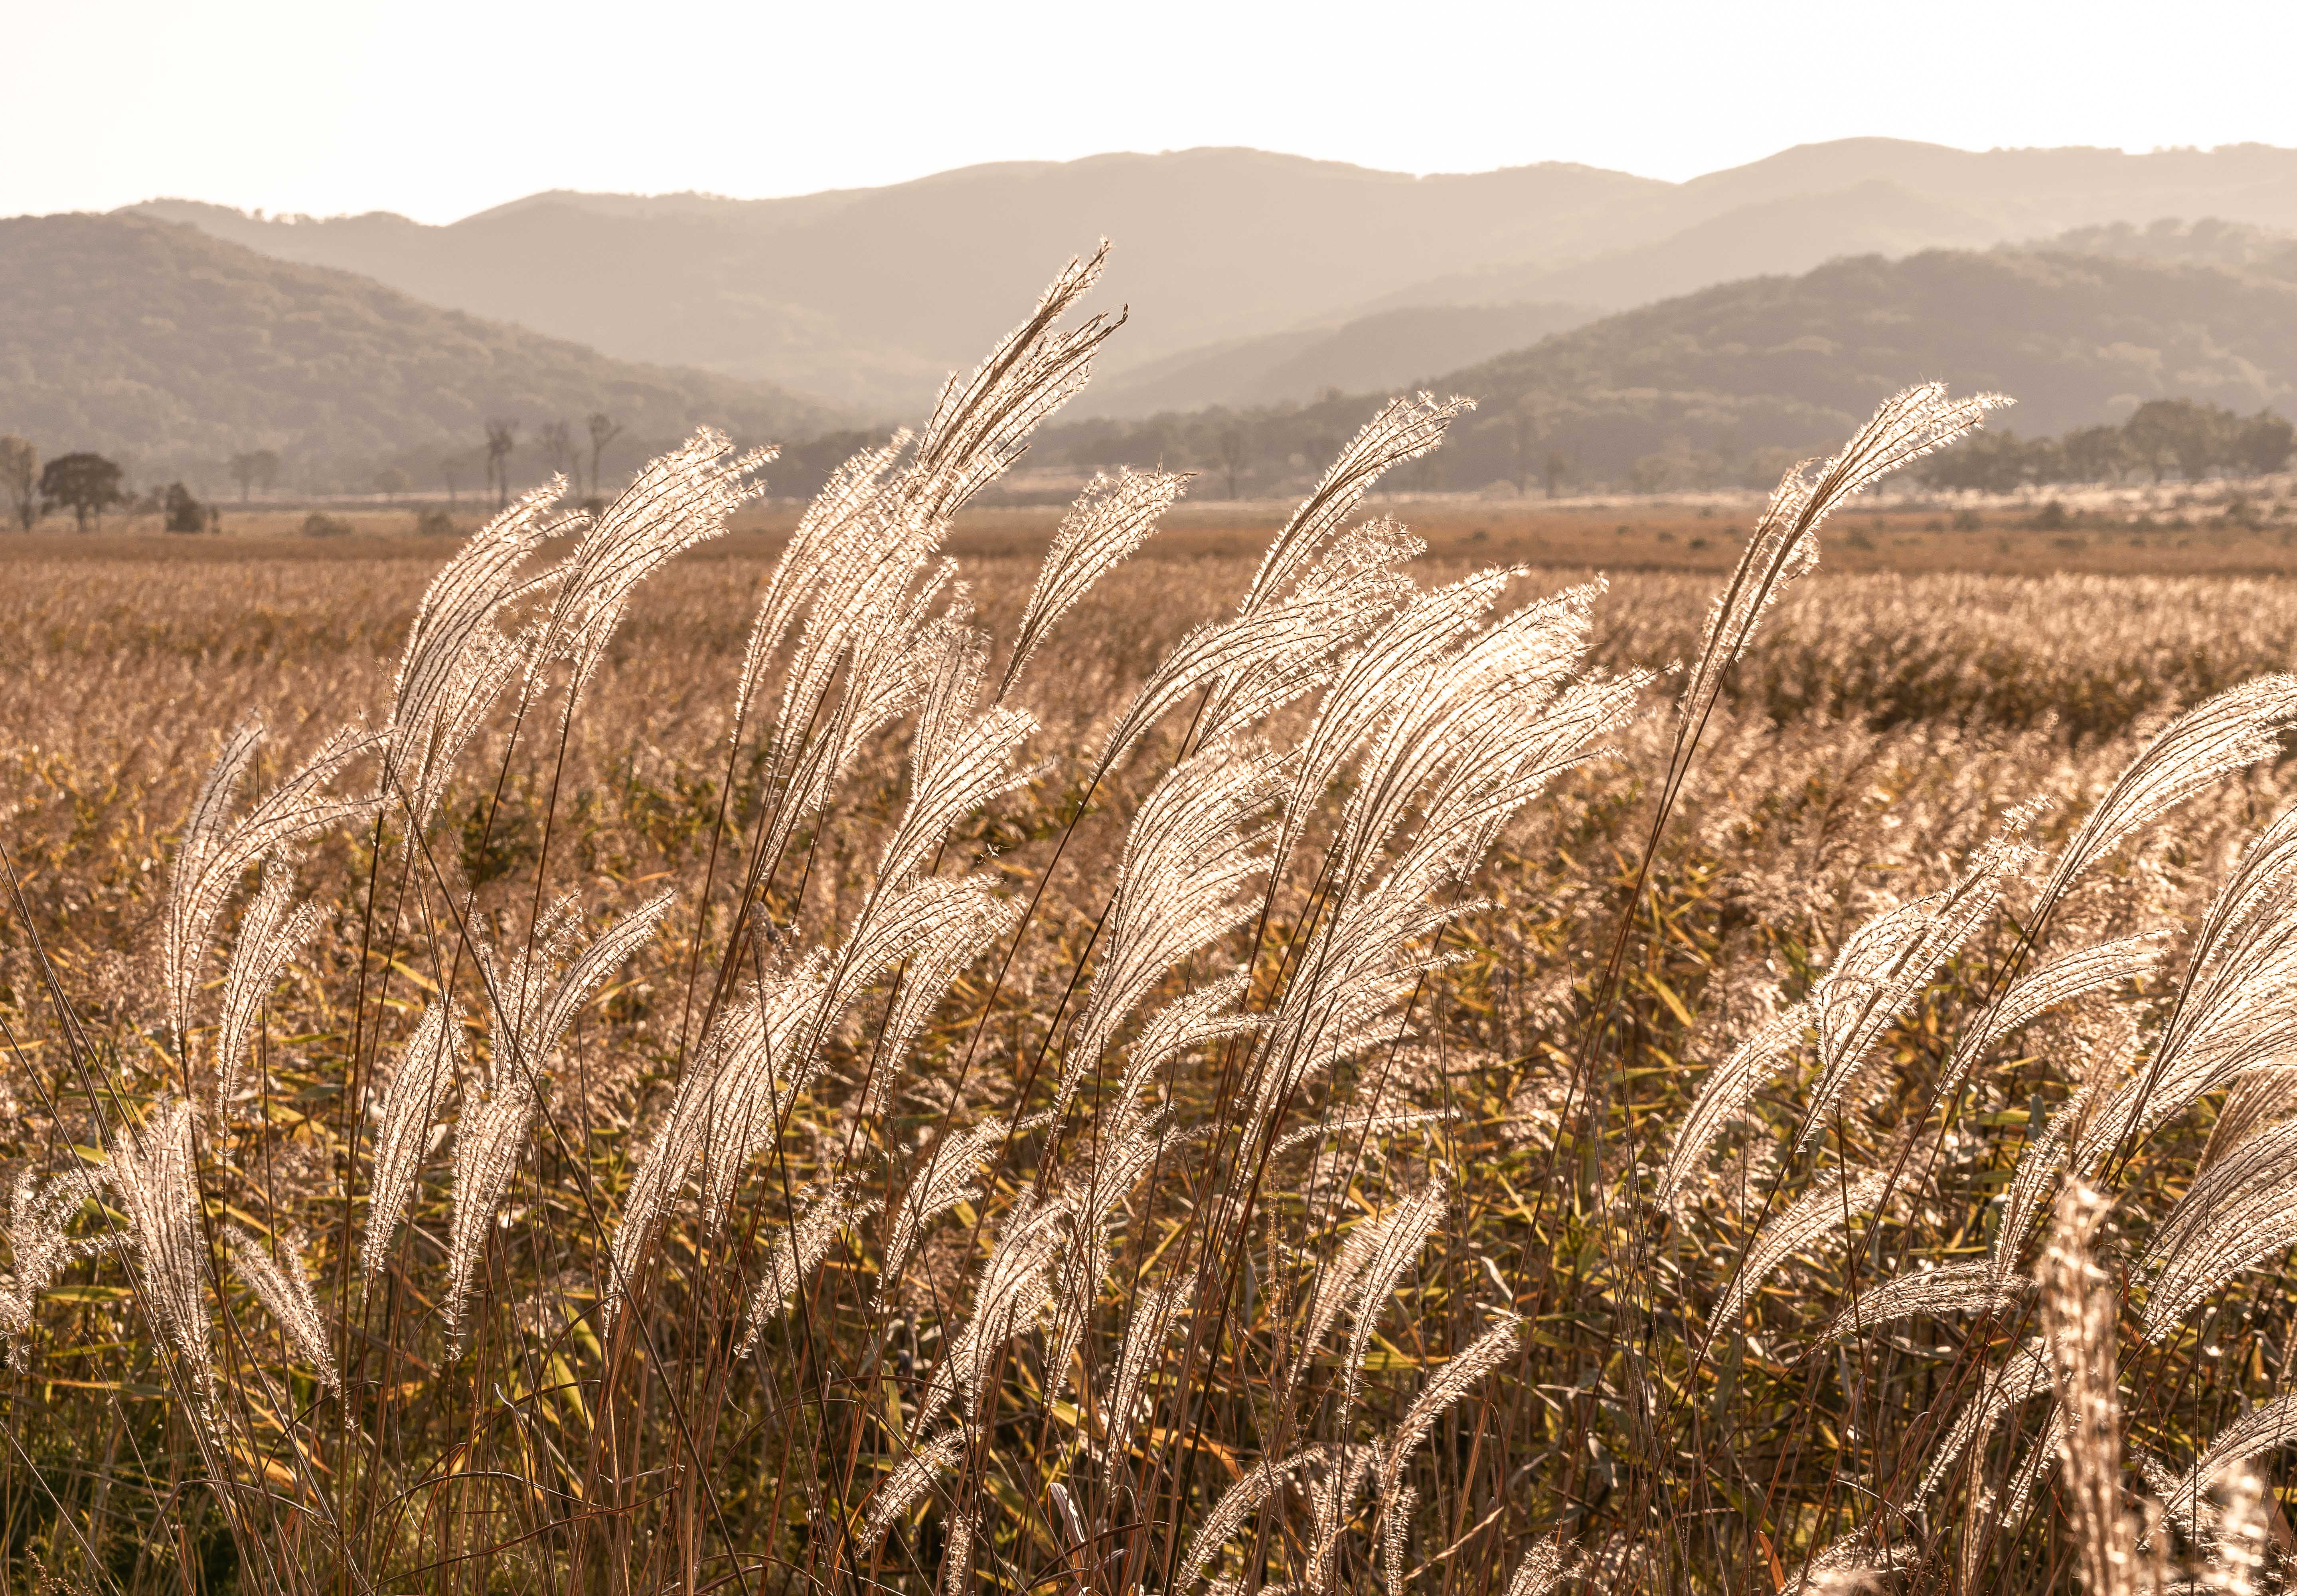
(871, 296)
(173, 350)
(1724, 381)
(1381, 350)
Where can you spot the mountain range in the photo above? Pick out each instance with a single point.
(869, 298)
(1732, 382)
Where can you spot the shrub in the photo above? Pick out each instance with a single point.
(318, 523)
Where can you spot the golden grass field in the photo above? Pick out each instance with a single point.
(1645, 1427)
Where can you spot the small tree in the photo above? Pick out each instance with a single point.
(87, 484)
(1557, 469)
(502, 436)
(256, 468)
(19, 478)
(2193, 437)
(182, 512)
(391, 482)
(2095, 454)
(603, 430)
(2263, 443)
(1235, 447)
(558, 441)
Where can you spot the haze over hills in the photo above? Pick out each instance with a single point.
(173, 350)
(870, 297)
(1729, 382)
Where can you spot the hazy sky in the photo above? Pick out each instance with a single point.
(437, 110)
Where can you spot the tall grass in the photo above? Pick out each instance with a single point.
(894, 1075)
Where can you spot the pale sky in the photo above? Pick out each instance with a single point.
(437, 110)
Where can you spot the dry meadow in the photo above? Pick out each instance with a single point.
(1480, 1078)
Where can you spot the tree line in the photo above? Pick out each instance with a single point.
(2161, 437)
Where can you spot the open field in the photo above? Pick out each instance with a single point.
(1635, 1155)
(2235, 527)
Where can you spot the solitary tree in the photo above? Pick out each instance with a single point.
(19, 478)
(557, 440)
(1235, 453)
(502, 436)
(257, 468)
(391, 482)
(2262, 446)
(1557, 469)
(603, 430)
(86, 483)
(182, 512)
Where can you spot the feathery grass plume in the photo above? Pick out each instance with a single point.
(531, 1008)
(2077, 1311)
(1154, 1311)
(1479, 729)
(1362, 694)
(2261, 1429)
(1180, 886)
(1369, 1124)
(1339, 1474)
(910, 1479)
(980, 427)
(1207, 1014)
(1827, 1207)
(1406, 427)
(1925, 1289)
(1784, 544)
(835, 514)
(2234, 1011)
(2259, 1099)
(763, 1058)
(727, 1106)
(1408, 1229)
(824, 1210)
(269, 935)
(972, 770)
(455, 660)
(2236, 1213)
(1124, 1155)
(1478, 1359)
(681, 498)
(2210, 742)
(1726, 1092)
(151, 1175)
(1110, 520)
(2061, 981)
(1358, 581)
(1395, 1531)
(2024, 1375)
(1543, 1567)
(957, 1551)
(953, 945)
(1888, 960)
(490, 1140)
(216, 850)
(281, 1285)
(1238, 1503)
(428, 1065)
(2241, 1549)
(38, 1249)
(944, 1179)
(1015, 1285)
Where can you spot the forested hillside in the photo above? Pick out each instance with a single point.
(171, 351)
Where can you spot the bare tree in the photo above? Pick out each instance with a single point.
(502, 436)
(603, 430)
(258, 467)
(558, 441)
(20, 476)
(1235, 453)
